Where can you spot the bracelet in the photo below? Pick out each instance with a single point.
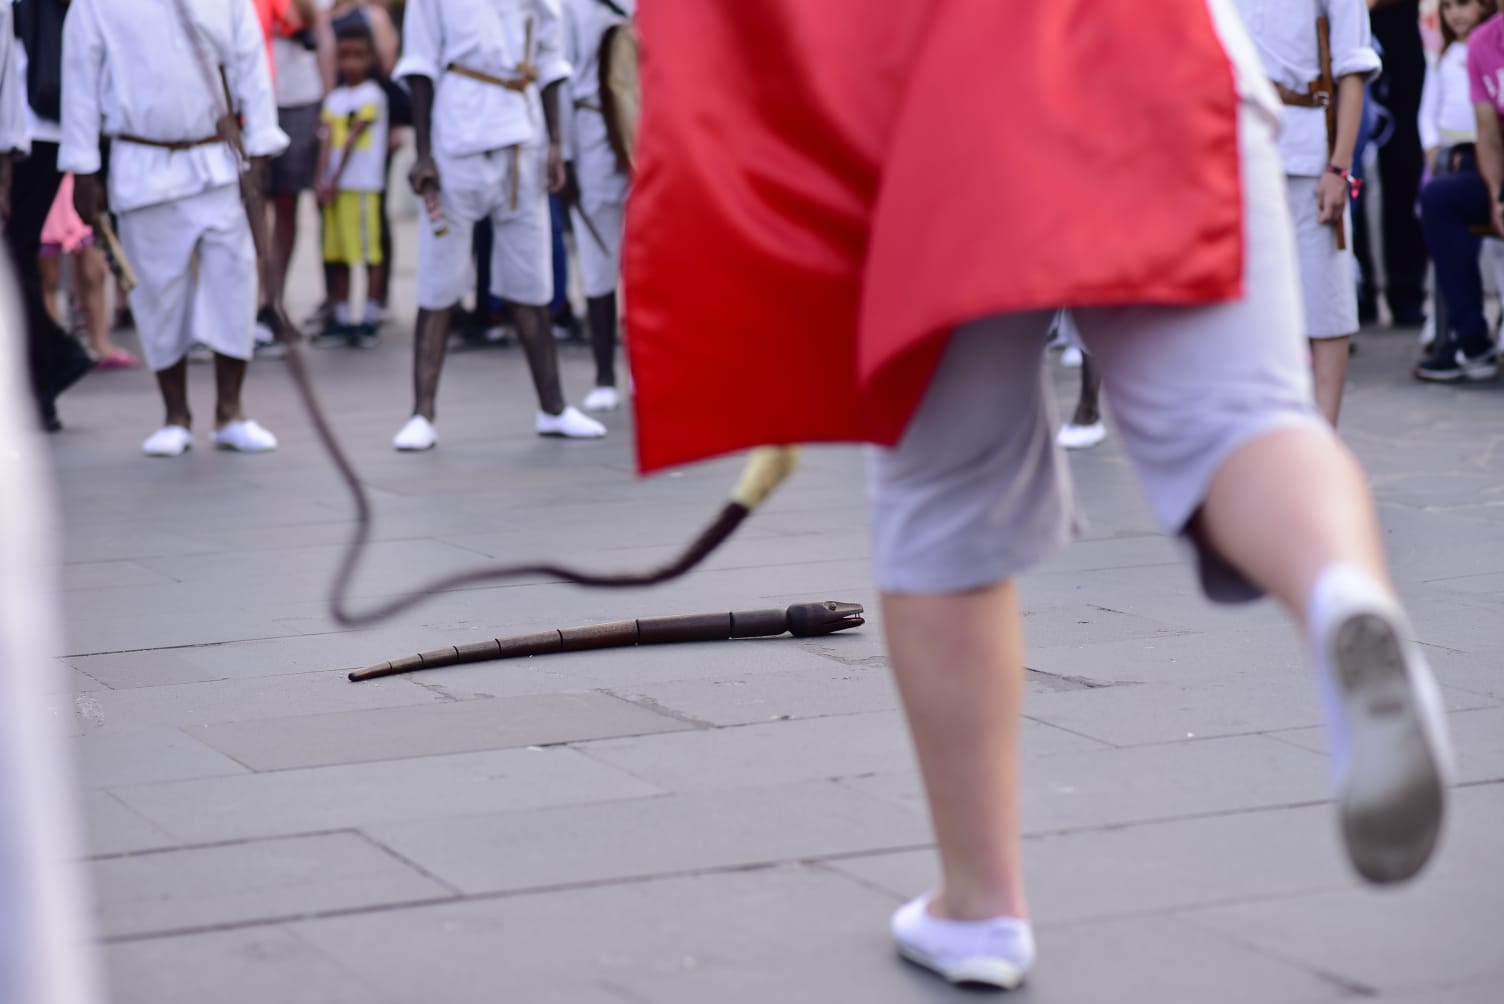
(1355, 185)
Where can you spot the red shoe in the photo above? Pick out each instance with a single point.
(118, 360)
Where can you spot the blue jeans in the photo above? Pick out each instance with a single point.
(1450, 206)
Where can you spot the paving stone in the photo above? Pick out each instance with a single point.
(329, 798)
(1477, 737)
(198, 887)
(652, 836)
(786, 752)
(243, 700)
(1114, 787)
(111, 827)
(1441, 928)
(257, 965)
(1150, 868)
(453, 727)
(726, 936)
(146, 755)
(86, 575)
(747, 698)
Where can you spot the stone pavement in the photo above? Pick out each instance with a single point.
(725, 822)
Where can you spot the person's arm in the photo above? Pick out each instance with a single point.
(1491, 159)
(422, 50)
(1430, 114)
(82, 115)
(553, 71)
(315, 14)
(384, 34)
(1332, 192)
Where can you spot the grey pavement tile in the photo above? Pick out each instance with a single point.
(762, 935)
(111, 827)
(1115, 787)
(790, 751)
(1482, 992)
(1441, 928)
(199, 887)
(1136, 714)
(651, 836)
(88, 575)
(144, 668)
(258, 965)
(427, 730)
(242, 700)
(1477, 740)
(1151, 868)
(1206, 656)
(146, 755)
(745, 698)
(330, 798)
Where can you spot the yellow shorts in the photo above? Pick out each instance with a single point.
(352, 229)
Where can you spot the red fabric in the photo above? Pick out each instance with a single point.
(271, 13)
(825, 189)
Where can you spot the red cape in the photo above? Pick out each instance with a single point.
(825, 188)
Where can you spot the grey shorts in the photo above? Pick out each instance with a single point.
(294, 170)
(977, 491)
(1327, 276)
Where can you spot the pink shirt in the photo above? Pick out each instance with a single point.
(1485, 63)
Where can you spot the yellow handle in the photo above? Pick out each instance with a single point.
(766, 469)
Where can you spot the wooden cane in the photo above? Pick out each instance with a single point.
(114, 254)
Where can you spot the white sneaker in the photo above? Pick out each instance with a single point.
(245, 436)
(168, 441)
(994, 953)
(417, 434)
(570, 423)
(1081, 437)
(603, 399)
(1390, 753)
(1071, 358)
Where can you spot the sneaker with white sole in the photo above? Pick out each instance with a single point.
(168, 441)
(1483, 366)
(1081, 437)
(571, 423)
(244, 436)
(1391, 757)
(603, 399)
(418, 434)
(994, 953)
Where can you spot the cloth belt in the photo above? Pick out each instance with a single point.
(175, 145)
(1297, 99)
(527, 75)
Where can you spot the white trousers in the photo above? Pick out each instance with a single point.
(46, 955)
(197, 266)
(480, 187)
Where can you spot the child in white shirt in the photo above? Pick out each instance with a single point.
(351, 178)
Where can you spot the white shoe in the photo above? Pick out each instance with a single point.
(1391, 756)
(570, 423)
(1081, 437)
(603, 399)
(245, 436)
(1071, 357)
(417, 434)
(995, 953)
(168, 441)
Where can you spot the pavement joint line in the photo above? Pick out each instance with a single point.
(406, 862)
(1348, 986)
(1079, 735)
(657, 707)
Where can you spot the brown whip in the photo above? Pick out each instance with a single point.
(766, 468)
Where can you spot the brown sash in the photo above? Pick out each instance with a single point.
(527, 75)
(175, 145)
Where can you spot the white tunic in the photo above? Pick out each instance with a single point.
(1285, 33)
(1446, 105)
(587, 143)
(14, 135)
(130, 68)
(489, 36)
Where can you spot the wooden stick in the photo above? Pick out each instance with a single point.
(114, 254)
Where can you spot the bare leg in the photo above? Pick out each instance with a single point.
(51, 269)
(90, 283)
(429, 346)
(229, 377)
(284, 238)
(1286, 506)
(959, 664)
(1329, 366)
(601, 311)
(173, 383)
(536, 335)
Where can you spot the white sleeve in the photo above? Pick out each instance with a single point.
(14, 137)
(552, 64)
(83, 70)
(251, 80)
(1430, 106)
(422, 41)
(1352, 40)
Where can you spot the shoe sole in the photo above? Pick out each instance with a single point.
(1436, 376)
(995, 973)
(1392, 800)
(414, 449)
